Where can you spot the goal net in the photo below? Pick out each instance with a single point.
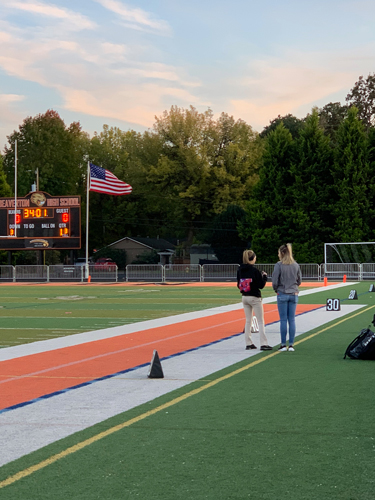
(349, 253)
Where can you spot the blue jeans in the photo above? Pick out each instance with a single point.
(286, 304)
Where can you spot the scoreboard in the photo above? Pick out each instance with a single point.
(40, 221)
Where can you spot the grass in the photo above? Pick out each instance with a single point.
(31, 313)
(296, 426)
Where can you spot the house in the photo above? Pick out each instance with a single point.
(202, 254)
(135, 247)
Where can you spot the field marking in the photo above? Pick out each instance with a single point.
(86, 334)
(54, 329)
(87, 442)
(98, 356)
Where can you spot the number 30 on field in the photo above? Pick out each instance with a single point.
(333, 305)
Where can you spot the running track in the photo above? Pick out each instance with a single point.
(33, 376)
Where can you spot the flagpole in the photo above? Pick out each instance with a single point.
(15, 188)
(87, 219)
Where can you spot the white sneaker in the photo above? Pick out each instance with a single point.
(291, 348)
(282, 348)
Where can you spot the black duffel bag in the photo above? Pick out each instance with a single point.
(363, 346)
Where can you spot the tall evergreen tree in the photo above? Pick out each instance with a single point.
(224, 238)
(352, 182)
(269, 207)
(310, 192)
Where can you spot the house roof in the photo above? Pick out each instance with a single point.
(158, 244)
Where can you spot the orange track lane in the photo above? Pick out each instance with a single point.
(33, 376)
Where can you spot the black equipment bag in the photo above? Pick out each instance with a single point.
(363, 346)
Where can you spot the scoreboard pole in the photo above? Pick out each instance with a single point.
(15, 185)
(87, 219)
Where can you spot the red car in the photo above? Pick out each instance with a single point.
(104, 262)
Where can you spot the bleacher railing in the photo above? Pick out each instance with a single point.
(176, 272)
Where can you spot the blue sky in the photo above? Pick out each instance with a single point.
(121, 63)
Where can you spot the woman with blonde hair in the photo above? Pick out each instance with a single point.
(250, 281)
(286, 279)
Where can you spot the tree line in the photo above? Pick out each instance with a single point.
(197, 178)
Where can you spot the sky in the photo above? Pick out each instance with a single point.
(122, 63)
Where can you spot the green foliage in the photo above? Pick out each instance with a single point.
(225, 240)
(147, 257)
(290, 122)
(362, 96)
(353, 182)
(331, 116)
(5, 189)
(268, 209)
(204, 164)
(127, 155)
(311, 192)
(45, 143)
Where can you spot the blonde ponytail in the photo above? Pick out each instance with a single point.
(286, 254)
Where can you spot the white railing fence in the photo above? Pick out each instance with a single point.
(219, 272)
(145, 272)
(337, 271)
(57, 273)
(177, 272)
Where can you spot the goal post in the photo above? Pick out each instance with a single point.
(356, 260)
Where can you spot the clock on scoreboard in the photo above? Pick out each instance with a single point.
(40, 221)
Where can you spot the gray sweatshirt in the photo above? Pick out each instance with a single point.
(286, 278)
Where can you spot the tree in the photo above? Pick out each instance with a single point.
(268, 217)
(148, 211)
(292, 123)
(362, 96)
(5, 189)
(114, 217)
(311, 191)
(331, 116)
(204, 164)
(353, 182)
(47, 144)
(225, 240)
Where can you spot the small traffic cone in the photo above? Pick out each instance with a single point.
(156, 371)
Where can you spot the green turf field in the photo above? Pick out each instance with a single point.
(296, 426)
(31, 313)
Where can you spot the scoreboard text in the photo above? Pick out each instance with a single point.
(40, 221)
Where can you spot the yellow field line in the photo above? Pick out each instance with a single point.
(79, 446)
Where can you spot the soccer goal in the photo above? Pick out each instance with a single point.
(356, 260)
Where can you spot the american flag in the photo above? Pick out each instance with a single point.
(103, 181)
